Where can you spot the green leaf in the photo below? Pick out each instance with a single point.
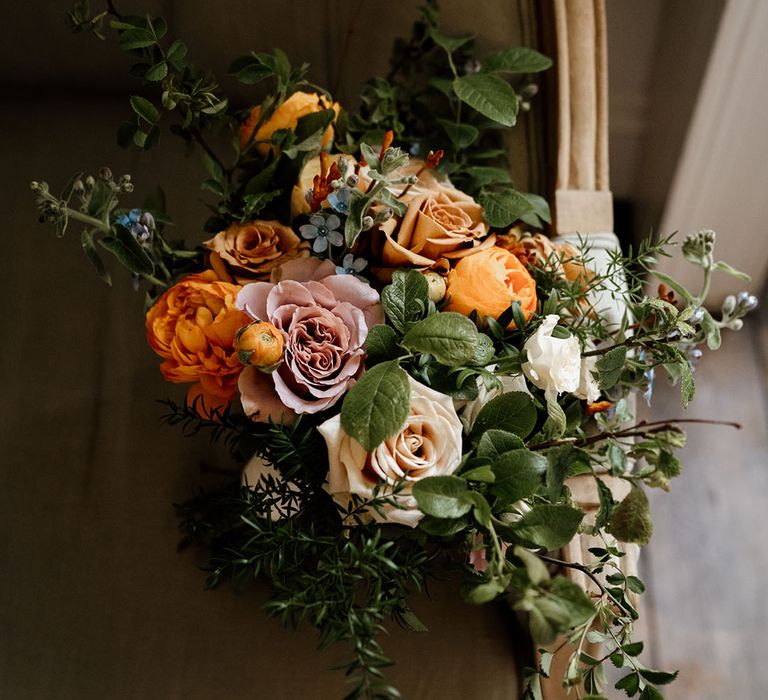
(635, 584)
(483, 175)
(518, 474)
(483, 474)
(631, 519)
(573, 598)
(381, 344)
(610, 366)
(536, 569)
(86, 239)
(517, 59)
(442, 496)
(725, 267)
(490, 95)
(629, 684)
(450, 337)
(606, 504)
(650, 693)
(376, 407)
(354, 224)
(549, 526)
(540, 211)
(252, 69)
(461, 135)
(176, 54)
(658, 677)
(131, 256)
(136, 38)
(678, 288)
(513, 412)
(442, 527)
(687, 382)
(254, 203)
(559, 461)
(157, 72)
(484, 592)
(481, 510)
(711, 330)
(503, 207)
(448, 43)
(494, 442)
(145, 109)
(314, 124)
(405, 300)
(633, 649)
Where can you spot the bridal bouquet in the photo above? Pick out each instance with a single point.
(409, 371)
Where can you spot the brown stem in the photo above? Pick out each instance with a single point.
(112, 10)
(642, 429)
(602, 351)
(200, 141)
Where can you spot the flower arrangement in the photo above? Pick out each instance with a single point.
(409, 371)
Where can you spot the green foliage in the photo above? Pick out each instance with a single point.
(450, 337)
(405, 300)
(631, 520)
(376, 407)
(512, 412)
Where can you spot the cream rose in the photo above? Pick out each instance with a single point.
(553, 364)
(588, 389)
(428, 444)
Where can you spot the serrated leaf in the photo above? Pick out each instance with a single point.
(494, 442)
(629, 684)
(513, 412)
(549, 526)
(376, 407)
(490, 95)
(442, 496)
(631, 519)
(633, 648)
(449, 336)
(650, 693)
(517, 59)
(658, 677)
(136, 38)
(606, 504)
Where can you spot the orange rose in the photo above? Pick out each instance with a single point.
(441, 223)
(286, 116)
(252, 250)
(488, 282)
(193, 327)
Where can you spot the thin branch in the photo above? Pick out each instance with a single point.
(112, 10)
(642, 429)
(200, 141)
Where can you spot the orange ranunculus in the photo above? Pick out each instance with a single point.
(285, 117)
(489, 281)
(193, 327)
(261, 345)
(253, 249)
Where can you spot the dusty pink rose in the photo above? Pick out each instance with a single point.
(324, 319)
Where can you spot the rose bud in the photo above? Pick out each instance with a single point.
(437, 286)
(260, 344)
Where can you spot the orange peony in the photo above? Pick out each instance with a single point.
(252, 250)
(286, 116)
(193, 327)
(489, 281)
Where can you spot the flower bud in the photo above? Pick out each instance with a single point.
(729, 305)
(367, 223)
(437, 286)
(698, 315)
(261, 345)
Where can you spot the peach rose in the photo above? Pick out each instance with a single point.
(192, 327)
(428, 444)
(286, 116)
(439, 223)
(252, 250)
(488, 282)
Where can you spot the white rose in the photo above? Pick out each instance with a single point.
(553, 364)
(588, 389)
(428, 444)
(469, 410)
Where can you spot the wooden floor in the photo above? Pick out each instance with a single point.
(93, 601)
